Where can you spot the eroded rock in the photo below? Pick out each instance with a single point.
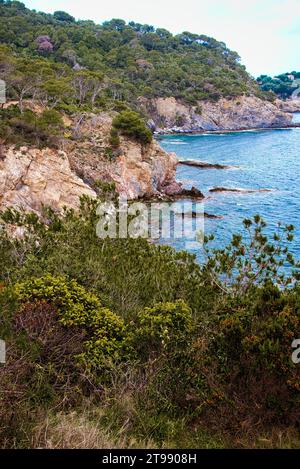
(31, 178)
(244, 112)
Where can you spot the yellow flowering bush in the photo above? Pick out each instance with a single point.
(105, 330)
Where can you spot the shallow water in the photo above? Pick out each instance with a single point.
(265, 159)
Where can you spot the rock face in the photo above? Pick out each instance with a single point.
(140, 175)
(290, 105)
(30, 178)
(245, 112)
(138, 171)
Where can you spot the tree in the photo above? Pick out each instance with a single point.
(24, 79)
(117, 24)
(130, 124)
(63, 16)
(44, 44)
(87, 84)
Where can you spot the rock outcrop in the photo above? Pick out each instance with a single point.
(138, 170)
(205, 164)
(289, 105)
(245, 112)
(31, 177)
(239, 190)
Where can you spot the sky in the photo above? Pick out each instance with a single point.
(265, 33)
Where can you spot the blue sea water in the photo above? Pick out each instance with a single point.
(266, 160)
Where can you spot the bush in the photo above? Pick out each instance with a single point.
(63, 16)
(164, 327)
(210, 342)
(130, 124)
(252, 342)
(33, 128)
(114, 139)
(104, 330)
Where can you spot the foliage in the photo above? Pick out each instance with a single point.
(76, 307)
(114, 139)
(30, 127)
(254, 259)
(128, 274)
(136, 60)
(130, 124)
(63, 16)
(282, 85)
(164, 327)
(180, 342)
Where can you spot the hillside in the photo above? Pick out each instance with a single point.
(130, 60)
(283, 86)
(122, 342)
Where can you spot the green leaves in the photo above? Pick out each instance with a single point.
(38, 129)
(105, 331)
(164, 328)
(252, 259)
(145, 61)
(130, 124)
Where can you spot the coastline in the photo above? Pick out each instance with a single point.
(216, 132)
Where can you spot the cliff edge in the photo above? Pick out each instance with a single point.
(244, 112)
(57, 177)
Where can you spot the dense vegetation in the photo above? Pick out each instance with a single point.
(283, 85)
(129, 123)
(112, 61)
(120, 342)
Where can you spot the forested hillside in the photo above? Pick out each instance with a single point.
(80, 62)
(283, 85)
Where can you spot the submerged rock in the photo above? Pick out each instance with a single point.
(192, 193)
(239, 190)
(194, 214)
(205, 164)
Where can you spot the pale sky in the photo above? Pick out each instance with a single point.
(265, 33)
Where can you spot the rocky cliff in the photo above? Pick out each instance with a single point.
(245, 112)
(289, 105)
(32, 177)
(138, 170)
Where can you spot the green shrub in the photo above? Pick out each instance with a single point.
(32, 128)
(180, 120)
(77, 307)
(114, 139)
(130, 124)
(256, 333)
(164, 327)
(198, 110)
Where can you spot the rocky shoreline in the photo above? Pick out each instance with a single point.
(180, 131)
(31, 177)
(169, 115)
